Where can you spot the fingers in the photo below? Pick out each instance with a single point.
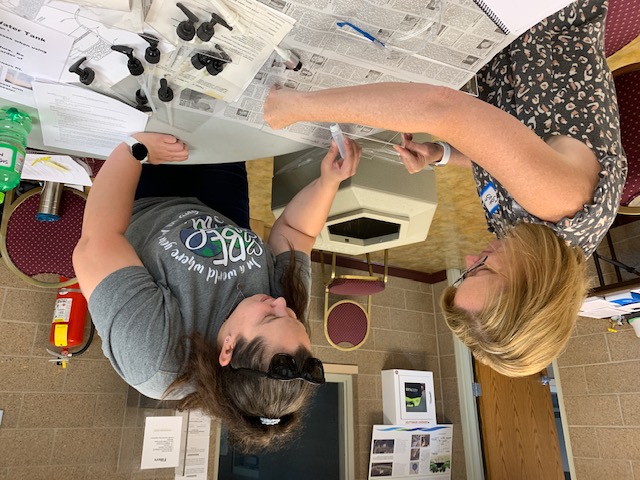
(410, 161)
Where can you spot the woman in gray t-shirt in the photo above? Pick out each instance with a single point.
(192, 305)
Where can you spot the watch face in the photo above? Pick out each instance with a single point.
(139, 151)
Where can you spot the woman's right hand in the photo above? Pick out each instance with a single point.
(416, 156)
(277, 111)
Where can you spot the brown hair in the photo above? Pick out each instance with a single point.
(240, 400)
(525, 326)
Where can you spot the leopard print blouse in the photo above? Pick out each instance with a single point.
(554, 78)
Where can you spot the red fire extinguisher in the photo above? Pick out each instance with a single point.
(69, 314)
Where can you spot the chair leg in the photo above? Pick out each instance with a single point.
(613, 256)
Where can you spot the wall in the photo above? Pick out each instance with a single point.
(406, 335)
(600, 378)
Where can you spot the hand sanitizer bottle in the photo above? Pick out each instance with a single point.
(14, 128)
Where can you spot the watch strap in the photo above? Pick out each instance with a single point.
(445, 156)
(131, 141)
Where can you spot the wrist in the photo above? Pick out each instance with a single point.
(446, 154)
(137, 149)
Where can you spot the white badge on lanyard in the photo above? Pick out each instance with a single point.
(489, 198)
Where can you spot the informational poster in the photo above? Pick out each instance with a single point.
(399, 452)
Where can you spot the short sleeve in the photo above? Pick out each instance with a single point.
(138, 321)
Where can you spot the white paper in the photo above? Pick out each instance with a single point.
(399, 452)
(54, 168)
(79, 119)
(28, 51)
(123, 5)
(196, 455)
(35, 10)
(519, 15)
(161, 442)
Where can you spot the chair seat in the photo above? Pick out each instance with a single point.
(347, 324)
(628, 92)
(356, 286)
(45, 247)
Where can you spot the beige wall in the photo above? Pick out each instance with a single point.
(77, 422)
(406, 334)
(600, 377)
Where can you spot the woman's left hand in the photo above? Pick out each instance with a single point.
(338, 169)
(163, 148)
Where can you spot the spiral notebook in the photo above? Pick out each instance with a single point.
(516, 16)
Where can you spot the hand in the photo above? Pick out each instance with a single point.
(277, 113)
(337, 170)
(416, 156)
(163, 148)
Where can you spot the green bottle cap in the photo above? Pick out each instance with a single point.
(19, 117)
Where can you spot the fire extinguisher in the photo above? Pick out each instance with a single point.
(67, 326)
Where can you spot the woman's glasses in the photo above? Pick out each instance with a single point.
(284, 367)
(472, 268)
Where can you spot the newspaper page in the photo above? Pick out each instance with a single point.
(264, 28)
(401, 452)
(441, 42)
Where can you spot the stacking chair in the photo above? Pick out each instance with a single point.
(622, 41)
(346, 322)
(32, 249)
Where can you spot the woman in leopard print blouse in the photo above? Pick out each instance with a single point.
(543, 141)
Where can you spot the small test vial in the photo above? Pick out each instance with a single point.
(336, 133)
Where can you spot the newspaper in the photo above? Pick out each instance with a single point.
(264, 28)
(437, 42)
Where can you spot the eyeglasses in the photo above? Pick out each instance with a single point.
(472, 268)
(285, 368)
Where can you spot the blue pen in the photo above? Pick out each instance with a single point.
(366, 35)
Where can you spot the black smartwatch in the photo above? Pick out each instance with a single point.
(138, 150)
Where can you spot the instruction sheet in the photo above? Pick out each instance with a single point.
(28, 51)
(74, 118)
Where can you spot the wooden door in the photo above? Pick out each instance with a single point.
(519, 435)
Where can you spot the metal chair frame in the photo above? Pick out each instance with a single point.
(9, 207)
(327, 290)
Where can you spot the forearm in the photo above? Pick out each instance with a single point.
(110, 200)
(402, 107)
(307, 212)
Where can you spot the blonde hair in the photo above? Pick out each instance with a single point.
(527, 325)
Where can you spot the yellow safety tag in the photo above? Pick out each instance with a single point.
(60, 334)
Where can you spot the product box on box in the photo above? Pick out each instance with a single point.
(408, 398)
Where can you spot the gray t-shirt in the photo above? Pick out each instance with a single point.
(198, 265)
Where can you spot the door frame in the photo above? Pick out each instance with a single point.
(474, 460)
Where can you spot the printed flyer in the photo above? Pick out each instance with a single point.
(401, 452)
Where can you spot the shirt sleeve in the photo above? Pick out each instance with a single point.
(138, 321)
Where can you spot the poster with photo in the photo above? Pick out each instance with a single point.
(400, 452)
